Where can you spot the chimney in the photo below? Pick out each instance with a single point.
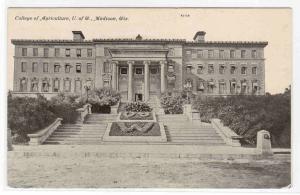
(78, 36)
(200, 37)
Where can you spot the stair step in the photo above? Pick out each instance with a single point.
(76, 136)
(75, 139)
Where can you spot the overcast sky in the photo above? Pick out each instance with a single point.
(272, 25)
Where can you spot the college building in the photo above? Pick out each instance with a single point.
(138, 68)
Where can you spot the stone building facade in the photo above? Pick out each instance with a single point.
(138, 68)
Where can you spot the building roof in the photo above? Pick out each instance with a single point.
(124, 40)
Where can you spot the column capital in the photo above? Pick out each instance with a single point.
(131, 62)
(163, 62)
(147, 62)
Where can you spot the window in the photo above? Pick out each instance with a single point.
(67, 68)
(78, 68)
(45, 67)
(253, 54)
(138, 70)
(23, 85)
(189, 68)
(56, 85)
(255, 88)
(200, 69)
(243, 87)
(232, 87)
(23, 66)
(232, 69)
(123, 70)
(201, 85)
(243, 70)
(67, 85)
(153, 70)
(210, 87)
(56, 67)
(56, 52)
(77, 86)
(24, 51)
(89, 52)
(46, 52)
(34, 67)
(106, 66)
(254, 70)
(210, 53)
(106, 84)
(221, 54)
(45, 86)
(232, 53)
(222, 69)
(222, 88)
(34, 85)
(89, 68)
(243, 53)
(210, 69)
(35, 51)
(78, 52)
(188, 52)
(199, 53)
(68, 54)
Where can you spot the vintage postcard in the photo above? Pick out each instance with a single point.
(149, 98)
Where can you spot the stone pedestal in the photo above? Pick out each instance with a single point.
(263, 145)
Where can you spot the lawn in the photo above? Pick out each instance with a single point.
(78, 172)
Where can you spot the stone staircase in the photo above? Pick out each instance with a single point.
(90, 132)
(181, 131)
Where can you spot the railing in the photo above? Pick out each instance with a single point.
(83, 112)
(39, 137)
(229, 136)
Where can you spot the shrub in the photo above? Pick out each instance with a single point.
(138, 107)
(27, 115)
(65, 106)
(102, 97)
(246, 115)
(172, 103)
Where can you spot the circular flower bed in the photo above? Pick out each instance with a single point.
(134, 129)
(128, 115)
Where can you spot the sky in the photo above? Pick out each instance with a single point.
(227, 24)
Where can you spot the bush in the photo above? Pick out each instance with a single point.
(172, 103)
(138, 107)
(102, 97)
(246, 115)
(65, 106)
(27, 115)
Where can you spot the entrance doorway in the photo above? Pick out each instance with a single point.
(138, 97)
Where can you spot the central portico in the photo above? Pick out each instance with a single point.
(137, 79)
(136, 73)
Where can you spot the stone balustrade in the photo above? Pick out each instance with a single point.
(40, 136)
(83, 112)
(229, 136)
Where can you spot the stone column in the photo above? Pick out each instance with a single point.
(146, 84)
(130, 72)
(114, 75)
(162, 76)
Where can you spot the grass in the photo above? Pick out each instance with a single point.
(116, 129)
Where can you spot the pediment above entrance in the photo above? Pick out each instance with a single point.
(138, 53)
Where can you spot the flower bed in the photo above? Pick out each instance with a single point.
(135, 132)
(134, 129)
(136, 116)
